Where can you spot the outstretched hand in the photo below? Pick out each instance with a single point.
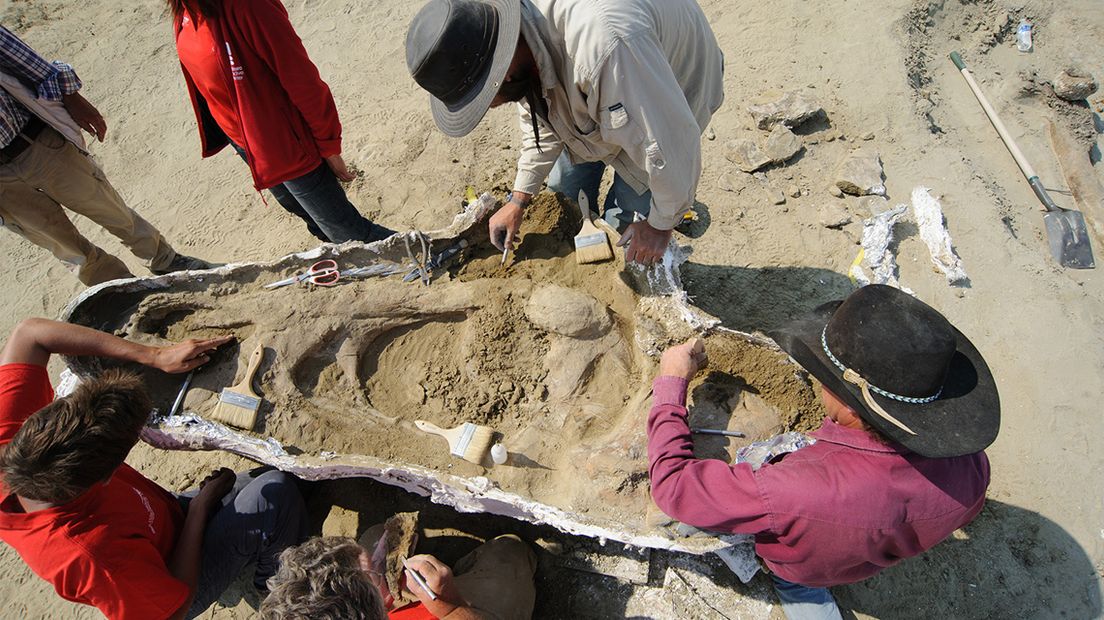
(187, 355)
(684, 360)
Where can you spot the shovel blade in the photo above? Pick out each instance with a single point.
(1069, 239)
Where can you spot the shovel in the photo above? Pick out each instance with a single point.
(1066, 232)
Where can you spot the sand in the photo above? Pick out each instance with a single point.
(879, 70)
(542, 350)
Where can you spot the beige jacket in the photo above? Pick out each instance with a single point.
(632, 83)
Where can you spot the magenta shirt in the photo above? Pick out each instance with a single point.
(835, 512)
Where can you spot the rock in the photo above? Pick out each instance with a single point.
(729, 183)
(1074, 84)
(875, 205)
(710, 134)
(746, 155)
(568, 312)
(834, 215)
(790, 109)
(868, 136)
(860, 174)
(776, 196)
(781, 145)
(793, 191)
(835, 191)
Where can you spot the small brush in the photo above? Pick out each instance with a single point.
(504, 251)
(418, 579)
(591, 244)
(467, 441)
(238, 404)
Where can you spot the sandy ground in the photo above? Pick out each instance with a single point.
(880, 72)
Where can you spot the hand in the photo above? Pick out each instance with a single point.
(85, 115)
(337, 164)
(505, 224)
(213, 488)
(643, 243)
(187, 355)
(439, 578)
(684, 360)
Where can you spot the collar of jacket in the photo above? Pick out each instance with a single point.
(854, 438)
(538, 34)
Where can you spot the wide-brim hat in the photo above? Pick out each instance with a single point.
(460, 51)
(902, 367)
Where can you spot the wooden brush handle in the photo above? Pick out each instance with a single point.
(251, 369)
(430, 427)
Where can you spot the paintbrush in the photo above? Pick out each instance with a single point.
(418, 579)
(713, 431)
(237, 405)
(467, 441)
(591, 244)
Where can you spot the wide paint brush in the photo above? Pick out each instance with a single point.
(238, 404)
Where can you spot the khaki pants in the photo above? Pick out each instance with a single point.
(52, 173)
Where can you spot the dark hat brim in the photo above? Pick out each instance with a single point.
(964, 419)
(459, 119)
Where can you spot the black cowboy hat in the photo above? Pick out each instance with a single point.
(902, 367)
(460, 51)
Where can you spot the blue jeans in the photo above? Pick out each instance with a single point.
(319, 200)
(805, 603)
(260, 517)
(621, 202)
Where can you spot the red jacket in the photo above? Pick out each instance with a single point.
(287, 112)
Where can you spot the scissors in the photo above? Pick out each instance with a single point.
(322, 273)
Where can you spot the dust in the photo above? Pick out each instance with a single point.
(542, 350)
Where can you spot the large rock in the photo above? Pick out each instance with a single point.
(860, 174)
(567, 312)
(789, 109)
(781, 144)
(1074, 84)
(746, 154)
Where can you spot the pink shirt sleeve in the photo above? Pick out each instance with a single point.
(705, 493)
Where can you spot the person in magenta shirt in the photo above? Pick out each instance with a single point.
(895, 468)
(254, 88)
(97, 530)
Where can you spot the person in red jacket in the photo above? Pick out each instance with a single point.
(254, 88)
(895, 468)
(98, 531)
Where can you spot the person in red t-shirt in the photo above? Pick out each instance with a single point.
(337, 577)
(101, 533)
(253, 87)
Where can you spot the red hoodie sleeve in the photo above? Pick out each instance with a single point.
(265, 23)
(705, 493)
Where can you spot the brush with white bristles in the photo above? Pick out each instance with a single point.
(591, 244)
(467, 441)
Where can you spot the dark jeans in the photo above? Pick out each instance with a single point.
(263, 515)
(319, 200)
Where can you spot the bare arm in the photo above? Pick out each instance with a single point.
(187, 556)
(34, 340)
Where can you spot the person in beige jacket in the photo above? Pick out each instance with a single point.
(627, 83)
(44, 165)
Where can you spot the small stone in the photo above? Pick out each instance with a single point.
(790, 109)
(710, 134)
(1074, 84)
(782, 145)
(835, 191)
(860, 174)
(746, 155)
(868, 136)
(834, 215)
(793, 191)
(729, 183)
(776, 197)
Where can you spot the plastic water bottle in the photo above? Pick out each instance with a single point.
(1023, 36)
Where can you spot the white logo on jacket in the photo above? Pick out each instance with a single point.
(237, 71)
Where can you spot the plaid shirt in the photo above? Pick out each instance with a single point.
(49, 80)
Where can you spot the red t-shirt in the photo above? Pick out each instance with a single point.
(201, 56)
(106, 548)
(413, 611)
